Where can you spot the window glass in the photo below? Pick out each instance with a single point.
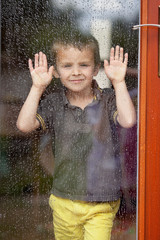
(26, 160)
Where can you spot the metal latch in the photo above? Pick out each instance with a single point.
(135, 27)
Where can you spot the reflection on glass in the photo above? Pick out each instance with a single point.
(26, 160)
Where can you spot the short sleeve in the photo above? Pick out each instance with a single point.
(112, 107)
(45, 113)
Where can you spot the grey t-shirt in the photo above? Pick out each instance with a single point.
(85, 145)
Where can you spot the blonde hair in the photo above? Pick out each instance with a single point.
(78, 40)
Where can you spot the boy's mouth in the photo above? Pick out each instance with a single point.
(76, 80)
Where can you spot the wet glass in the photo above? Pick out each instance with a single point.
(26, 160)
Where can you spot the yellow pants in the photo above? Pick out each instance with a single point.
(78, 220)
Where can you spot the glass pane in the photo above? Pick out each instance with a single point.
(27, 160)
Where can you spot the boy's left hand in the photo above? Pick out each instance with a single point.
(116, 69)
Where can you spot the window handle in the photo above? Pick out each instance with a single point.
(135, 27)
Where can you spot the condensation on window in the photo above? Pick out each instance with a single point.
(27, 160)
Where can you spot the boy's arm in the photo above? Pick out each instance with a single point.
(41, 78)
(116, 71)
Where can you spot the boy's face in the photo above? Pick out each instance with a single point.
(75, 68)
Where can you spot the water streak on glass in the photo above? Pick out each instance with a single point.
(26, 160)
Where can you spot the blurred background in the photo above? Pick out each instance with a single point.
(26, 161)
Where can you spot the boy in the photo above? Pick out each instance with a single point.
(82, 120)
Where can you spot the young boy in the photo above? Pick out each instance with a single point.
(82, 120)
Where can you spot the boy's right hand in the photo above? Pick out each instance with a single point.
(41, 75)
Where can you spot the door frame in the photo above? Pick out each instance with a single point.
(149, 126)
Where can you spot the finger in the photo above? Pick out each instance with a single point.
(50, 71)
(126, 58)
(117, 53)
(106, 63)
(30, 65)
(36, 60)
(40, 59)
(44, 61)
(121, 55)
(112, 54)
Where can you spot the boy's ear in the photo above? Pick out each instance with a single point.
(55, 73)
(96, 70)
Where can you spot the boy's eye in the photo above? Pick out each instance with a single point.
(67, 65)
(84, 65)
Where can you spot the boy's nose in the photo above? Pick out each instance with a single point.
(76, 71)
